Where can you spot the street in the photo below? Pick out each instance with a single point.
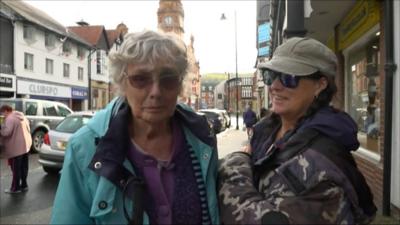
(34, 206)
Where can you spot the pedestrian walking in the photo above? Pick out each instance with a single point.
(17, 141)
(298, 168)
(249, 119)
(143, 159)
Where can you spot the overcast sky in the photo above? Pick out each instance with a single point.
(214, 38)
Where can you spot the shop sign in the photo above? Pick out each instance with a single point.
(42, 89)
(363, 16)
(79, 93)
(6, 82)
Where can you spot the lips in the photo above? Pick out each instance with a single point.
(154, 108)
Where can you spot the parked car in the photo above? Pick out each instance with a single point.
(51, 155)
(43, 115)
(217, 119)
(225, 114)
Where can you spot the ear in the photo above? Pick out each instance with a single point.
(321, 84)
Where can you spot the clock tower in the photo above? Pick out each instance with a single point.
(170, 17)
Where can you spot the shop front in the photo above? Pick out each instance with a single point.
(79, 96)
(41, 90)
(7, 85)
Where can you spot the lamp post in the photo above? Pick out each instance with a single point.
(223, 17)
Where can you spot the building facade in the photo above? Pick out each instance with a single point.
(39, 58)
(361, 34)
(99, 84)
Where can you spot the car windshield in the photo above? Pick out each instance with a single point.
(72, 123)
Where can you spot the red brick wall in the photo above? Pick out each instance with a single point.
(374, 175)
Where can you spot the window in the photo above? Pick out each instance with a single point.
(100, 62)
(219, 96)
(67, 48)
(49, 40)
(81, 53)
(28, 61)
(49, 66)
(247, 92)
(80, 73)
(66, 70)
(62, 111)
(364, 93)
(29, 33)
(31, 108)
(49, 109)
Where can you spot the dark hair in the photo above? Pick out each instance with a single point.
(6, 108)
(325, 97)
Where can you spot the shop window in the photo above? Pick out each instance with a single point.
(364, 94)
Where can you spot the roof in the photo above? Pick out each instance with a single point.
(112, 35)
(91, 34)
(29, 13)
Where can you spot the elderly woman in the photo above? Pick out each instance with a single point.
(298, 168)
(143, 159)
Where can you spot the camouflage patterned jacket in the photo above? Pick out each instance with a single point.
(305, 187)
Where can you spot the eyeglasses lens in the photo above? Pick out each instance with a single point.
(287, 80)
(146, 80)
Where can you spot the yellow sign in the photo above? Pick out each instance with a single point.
(363, 16)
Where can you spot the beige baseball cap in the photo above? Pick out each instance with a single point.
(302, 56)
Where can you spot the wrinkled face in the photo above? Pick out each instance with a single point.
(152, 90)
(292, 103)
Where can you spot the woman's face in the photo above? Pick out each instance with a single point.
(292, 103)
(152, 90)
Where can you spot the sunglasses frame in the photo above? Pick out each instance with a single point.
(152, 80)
(287, 80)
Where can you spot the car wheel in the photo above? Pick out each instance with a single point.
(37, 140)
(51, 170)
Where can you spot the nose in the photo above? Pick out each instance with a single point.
(155, 89)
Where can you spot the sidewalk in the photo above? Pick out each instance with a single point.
(231, 140)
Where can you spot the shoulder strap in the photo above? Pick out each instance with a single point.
(345, 162)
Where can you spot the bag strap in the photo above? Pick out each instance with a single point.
(344, 160)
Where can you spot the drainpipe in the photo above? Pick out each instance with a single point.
(390, 67)
(295, 19)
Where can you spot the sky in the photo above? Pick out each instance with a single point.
(214, 39)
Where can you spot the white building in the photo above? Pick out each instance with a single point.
(40, 57)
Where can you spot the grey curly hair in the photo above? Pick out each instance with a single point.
(146, 47)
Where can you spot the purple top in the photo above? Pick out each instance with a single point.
(159, 177)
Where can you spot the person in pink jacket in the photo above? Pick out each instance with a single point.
(17, 141)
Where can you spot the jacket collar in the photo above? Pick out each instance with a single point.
(111, 126)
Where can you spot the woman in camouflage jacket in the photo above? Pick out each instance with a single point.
(298, 168)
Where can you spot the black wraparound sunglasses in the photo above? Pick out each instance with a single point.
(287, 80)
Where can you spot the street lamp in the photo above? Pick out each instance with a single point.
(223, 17)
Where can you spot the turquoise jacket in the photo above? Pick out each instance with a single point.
(84, 197)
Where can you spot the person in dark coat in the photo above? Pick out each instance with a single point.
(249, 119)
(298, 168)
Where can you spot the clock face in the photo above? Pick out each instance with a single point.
(168, 20)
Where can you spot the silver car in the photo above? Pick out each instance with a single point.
(51, 154)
